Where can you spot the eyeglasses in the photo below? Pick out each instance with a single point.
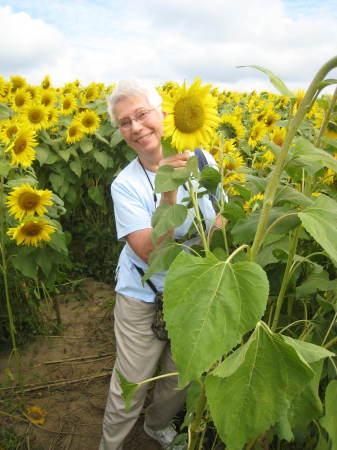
(140, 117)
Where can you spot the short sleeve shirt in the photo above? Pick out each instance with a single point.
(134, 206)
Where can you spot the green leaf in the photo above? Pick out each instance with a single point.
(269, 252)
(257, 383)
(45, 156)
(168, 150)
(208, 306)
(128, 389)
(4, 168)
(309, 352)
(233, 211)
(210, 179)
(65, 154)
(56, 180)
(58, 242)
(286, 194)
(276, 81)
(162, 257)
(101, 138)
(96, 194)
(101, 158)
(86, 145)
(116, 138)
(329, 421)
(76, 167)
(305, 153)
(316, 282)
(168, 178)
(24, 262)
(320, 220)
(167, 217)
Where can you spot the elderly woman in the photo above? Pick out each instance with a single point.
(136, 111)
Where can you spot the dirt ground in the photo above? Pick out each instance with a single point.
(68, 377)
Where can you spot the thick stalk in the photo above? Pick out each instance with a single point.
(279, 165)
(286, 278)
(195, 427)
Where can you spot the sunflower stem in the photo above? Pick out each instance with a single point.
(279, 165)
(4, 266)
(326, 118)
(199, 224)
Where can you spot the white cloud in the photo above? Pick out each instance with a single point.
(29, 43)
(158, 40)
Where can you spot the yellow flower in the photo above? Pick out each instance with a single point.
(8, 129)
(53, 117)
(268, 157)
(21, 149)
(231, 179)
(232, 126)
(328, 176)
(25, 200)
(47, 97)
(3, 87)
(36, 415)
(46, 83)
(89, 94)
(277, 136)
(253, 203)
(191, 116)
(20, 99)
(75, 132)
(17, 82)
(37, 116)
(68, 104)
(257, 133)
(89, 120)
(31, 232)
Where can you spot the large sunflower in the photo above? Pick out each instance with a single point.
(68, 104)
(232, 127)
(191, 115)
(31, 232)
(21, 149)
(20, 99)
(89, 120)
(37, 116)
(8, 129)
(25, 200)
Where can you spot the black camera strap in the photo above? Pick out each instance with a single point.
(149, 282)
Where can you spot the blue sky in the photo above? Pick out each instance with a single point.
(160, 40)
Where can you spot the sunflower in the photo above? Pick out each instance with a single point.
(256, 134)
(277, 136)
(90, 94)
(253, 203)
(20, 99)
(89, 120)
(33, 90)
(36, 115)
(68, 104)
(3, 87)
(9, 128)
(191, 117)
(75, 132)
(47, 97)
(32, 232)
(53, 117)
(232, 126)
(231, 179)
(21, 149)
(36, 415)
(25, 200)
(17, 82)
(46, 83)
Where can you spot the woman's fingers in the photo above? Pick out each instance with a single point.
(177, 160)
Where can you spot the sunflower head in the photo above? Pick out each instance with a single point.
(20, 99)
(32, 232)
(36, 115)
(191, 117)
(46, 83)
(8, 129)
(17, 82)
(26, 200)
(21, 150)
(75, 132)
(89, 120)
(68, 104)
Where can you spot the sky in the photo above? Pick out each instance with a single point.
(160, 40)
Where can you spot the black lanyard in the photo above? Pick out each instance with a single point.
(147, 176)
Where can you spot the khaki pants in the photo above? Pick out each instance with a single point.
(138, 355)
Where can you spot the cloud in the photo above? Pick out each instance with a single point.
(29, 43)
(156, 40)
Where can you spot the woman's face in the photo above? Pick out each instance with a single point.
(144, 136)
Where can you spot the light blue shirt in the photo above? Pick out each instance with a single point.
(134, 207)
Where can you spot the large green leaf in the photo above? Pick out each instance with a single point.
(305, 153)
(101, 158)
(316, 282)
(329, 421)
(167, 217)
(309, 352)
(251, 390)
(4, 168)
(275, 80)
(209, 305)
(128, 390)
(168, 178)
(162, 257)
(320, 220)
(210, 179)
(96, 194)
(76, 167)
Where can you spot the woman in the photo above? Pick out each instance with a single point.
(136, 111)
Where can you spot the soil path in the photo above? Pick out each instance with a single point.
(74, 409)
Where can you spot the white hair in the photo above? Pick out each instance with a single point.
(131, 88)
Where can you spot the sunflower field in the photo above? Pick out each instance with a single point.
(251, 310)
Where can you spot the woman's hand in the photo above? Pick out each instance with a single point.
(177, 161)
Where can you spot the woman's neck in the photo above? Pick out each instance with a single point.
(151, 161)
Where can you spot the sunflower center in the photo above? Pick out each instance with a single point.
(32, 229)
(20, 146)
(229, 130)
(19, 100)
(88, 122)
(35, 116)
(28, 200)
(66, 104)
(73, 131)
(11, 131)
(189, 114)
